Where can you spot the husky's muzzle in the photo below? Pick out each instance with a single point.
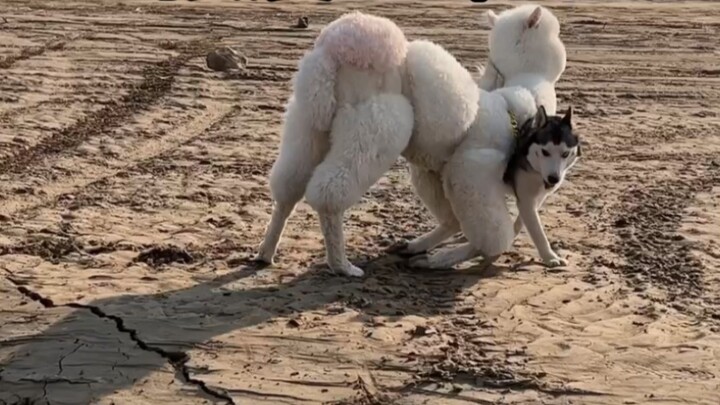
(551, 181)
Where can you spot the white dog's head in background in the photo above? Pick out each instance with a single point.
(526, 40)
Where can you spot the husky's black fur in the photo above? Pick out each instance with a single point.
(554, 128)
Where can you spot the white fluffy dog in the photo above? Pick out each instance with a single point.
(346, 124)
(525, 50)
(363, 96)
(458, 153)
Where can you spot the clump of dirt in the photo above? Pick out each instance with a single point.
(49, 248)
(161, 255)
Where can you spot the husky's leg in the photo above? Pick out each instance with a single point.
(528, 200)
(429, 188)
(518, 225)
(301, 149)
(366, 140)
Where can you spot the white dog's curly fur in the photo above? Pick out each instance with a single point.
(346, 123)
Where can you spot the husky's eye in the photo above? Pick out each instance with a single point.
(545, 153)
(566, 154)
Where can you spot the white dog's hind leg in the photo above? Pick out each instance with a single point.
(429, 240)
(429, 188)
(366, 139)
(474, 186)
(302, 148)
(445, 258)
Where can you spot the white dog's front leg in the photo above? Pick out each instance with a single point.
(445, 258)
(529, 216)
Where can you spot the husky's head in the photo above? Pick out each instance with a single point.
(526, 40)
(549, 145)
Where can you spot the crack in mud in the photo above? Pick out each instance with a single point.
(157, 81)
(65, 356)
(177, 359)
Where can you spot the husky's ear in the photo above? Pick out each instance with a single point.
(540, 117)
(534, 18)
(567, 119)
(491, 17)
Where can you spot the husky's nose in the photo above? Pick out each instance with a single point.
(553, 179)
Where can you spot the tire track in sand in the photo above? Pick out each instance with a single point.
(32, 51)
(157, 82)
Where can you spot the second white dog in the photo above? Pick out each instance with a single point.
(458, 164)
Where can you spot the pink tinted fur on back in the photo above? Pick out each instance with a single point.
(364, 41)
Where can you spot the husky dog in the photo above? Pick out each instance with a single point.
(345, 124)
(546, 149)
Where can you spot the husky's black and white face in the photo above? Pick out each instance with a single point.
(550, 146)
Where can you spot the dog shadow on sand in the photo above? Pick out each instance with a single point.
(80, 358)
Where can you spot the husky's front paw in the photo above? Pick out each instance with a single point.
(554, 261)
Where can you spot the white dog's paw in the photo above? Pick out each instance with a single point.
(420, 261)
(554, 261)
(264, 256)
(350, 270)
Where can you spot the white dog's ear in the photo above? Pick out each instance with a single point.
(534, 19)
(491, 17)
(540, 117)
(567, 119)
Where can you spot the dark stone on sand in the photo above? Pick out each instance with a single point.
(224, 59)
(302, 22)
